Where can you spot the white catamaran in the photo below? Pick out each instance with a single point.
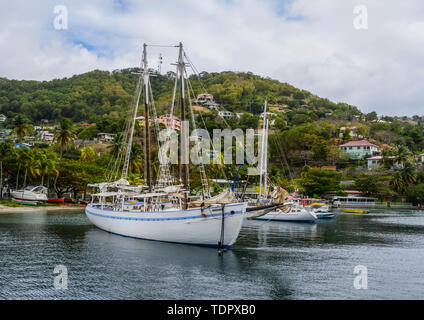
(164, 212)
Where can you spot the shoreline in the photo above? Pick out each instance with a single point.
(6, 209)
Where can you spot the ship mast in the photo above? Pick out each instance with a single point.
(147, 120)
(184, 172)
(144, 76)
(263, 156)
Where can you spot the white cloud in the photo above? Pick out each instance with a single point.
(310, 44)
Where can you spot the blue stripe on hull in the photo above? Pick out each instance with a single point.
(279, 220)
(325, 216)
(185, 243)
(157, 219)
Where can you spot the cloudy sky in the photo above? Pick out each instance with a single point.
(311, 44)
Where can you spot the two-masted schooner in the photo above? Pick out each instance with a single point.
(163, 211)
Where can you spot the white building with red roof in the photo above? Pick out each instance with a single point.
(359, 149)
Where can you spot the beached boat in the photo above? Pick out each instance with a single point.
(164, 213)
(26, 202)
(355, 210)
(30, 193)
(290, 214)
(56, 200)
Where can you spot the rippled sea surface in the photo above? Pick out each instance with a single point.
(271, 260)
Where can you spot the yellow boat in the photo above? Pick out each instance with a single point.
(355, 210)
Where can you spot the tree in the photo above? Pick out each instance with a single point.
(64, 134)
(22, 126)
(402, 154)
(397, 182)
(409, 173)
(415, 194)
(88, 154)
(136, 159)
(6, 149)
(48, 163)
(316, 181)
(117, 145)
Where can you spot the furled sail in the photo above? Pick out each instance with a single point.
(278, 195)
(225, 197)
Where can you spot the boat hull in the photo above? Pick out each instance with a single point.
(258, 211)
(301, 216)
(28, 196)
(355, 210)
(56, 200)
(325, 215)
(179, 226)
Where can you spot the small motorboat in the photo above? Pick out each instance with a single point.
(56, 200)
(28, 203)
(322, 211)
(30, 193)
(290, 214)
(355, 210)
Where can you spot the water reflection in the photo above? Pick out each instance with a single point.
(271, 260)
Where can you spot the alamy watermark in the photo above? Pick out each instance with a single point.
(199, 148)
(61, 280)
(361, 279)
(361, 19)
(60, 21)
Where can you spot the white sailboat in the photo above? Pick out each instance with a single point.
(290, 214)
(164, 213)
(262, 205)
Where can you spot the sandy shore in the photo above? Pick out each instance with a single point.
(6, 209)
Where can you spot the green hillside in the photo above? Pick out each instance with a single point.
(98, 94)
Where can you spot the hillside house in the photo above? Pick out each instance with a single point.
(353, 132)
(225, 114)
(361, 149)
(105, 137)
(170, 122)
(46, 136)
(3, 118)
(204, 98)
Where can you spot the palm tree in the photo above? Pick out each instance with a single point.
(48, 164)
(6, 149)
(409, 173)
(402, 155)
(117, 144)
(64, 134)
(136, 158)
(22, 126)
(87, 154)
(387, 159)
(397, 182)
(31, 163)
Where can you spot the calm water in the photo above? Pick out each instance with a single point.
(271, 260)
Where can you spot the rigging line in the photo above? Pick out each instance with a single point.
(204, 124)
(171, 112)
(114, 162)
(161, 46)
(114, 166)
(205, 184)
(126, 131)
(282, 156)
(196, 72)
